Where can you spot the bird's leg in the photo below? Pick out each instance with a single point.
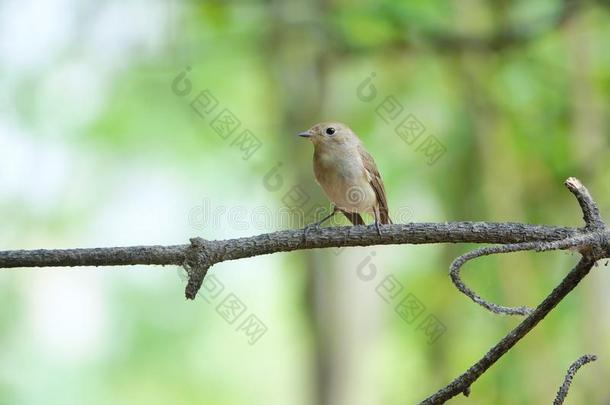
(326, 218)
(377, 226)
(316, 225)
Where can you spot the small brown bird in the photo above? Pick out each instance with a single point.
(347, 173)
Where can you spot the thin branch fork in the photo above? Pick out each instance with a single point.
(591, 241)
(593, 245)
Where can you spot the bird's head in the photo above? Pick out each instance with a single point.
(330, 134)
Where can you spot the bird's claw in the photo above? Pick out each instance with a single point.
(378, 227)
(309, 227)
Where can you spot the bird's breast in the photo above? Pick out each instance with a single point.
(343, 178)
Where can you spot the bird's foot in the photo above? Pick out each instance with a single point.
(314, 226)
(378, 227)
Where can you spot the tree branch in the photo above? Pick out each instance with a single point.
(563, 390)
(202, 254)
(591, 215)
(462, 383)
(580, 242)
(593, 244)
(289, 240)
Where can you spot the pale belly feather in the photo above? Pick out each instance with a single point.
(346, 184)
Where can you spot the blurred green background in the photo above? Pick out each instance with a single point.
(101, 145)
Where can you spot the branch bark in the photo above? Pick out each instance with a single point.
(567, 381)
(201, 254)
(289, 240)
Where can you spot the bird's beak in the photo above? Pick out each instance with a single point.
(305, 134)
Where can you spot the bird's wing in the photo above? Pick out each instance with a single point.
(375, 181)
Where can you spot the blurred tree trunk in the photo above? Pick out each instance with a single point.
(500, 184)
(586, 132)
(296, 55)
(339, 314)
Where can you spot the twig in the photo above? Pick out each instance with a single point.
(591, 216)
(580, 242)
(454, 272)
(563, 390)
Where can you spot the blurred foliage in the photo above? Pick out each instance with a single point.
(97, 149)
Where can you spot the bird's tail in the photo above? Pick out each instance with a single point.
(353, 217)
(384, 216)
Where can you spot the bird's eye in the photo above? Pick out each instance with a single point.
(330, 131)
